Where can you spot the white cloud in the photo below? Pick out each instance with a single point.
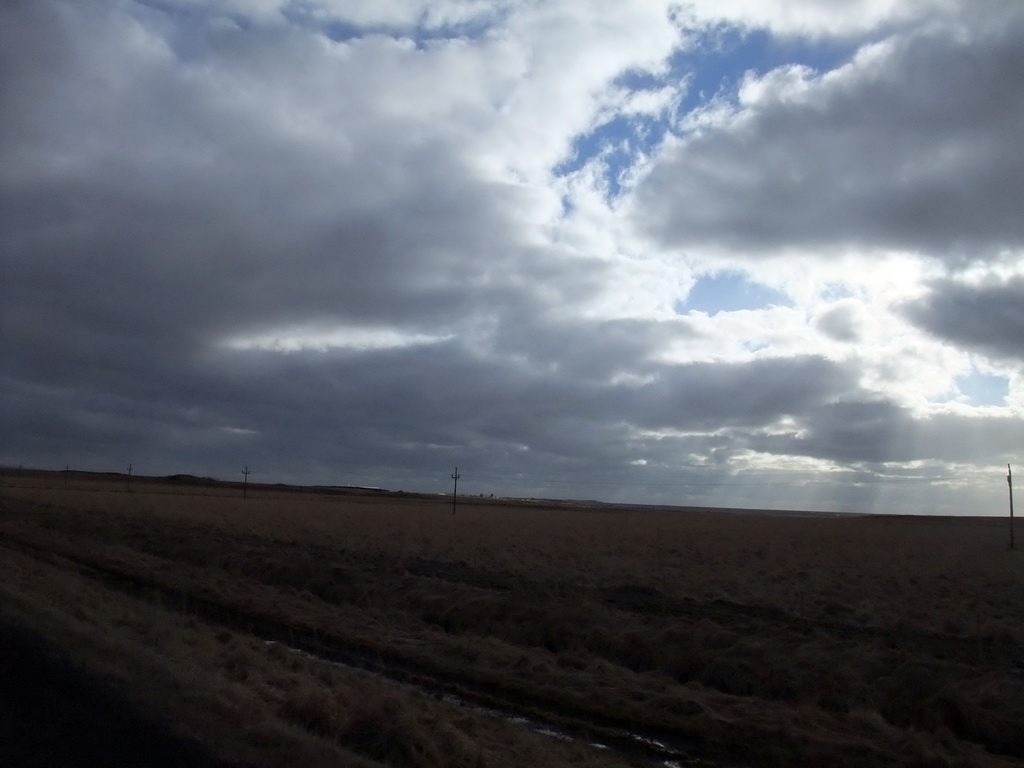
(321, 340)
(785, 85)
(814, 17)
(907, 147)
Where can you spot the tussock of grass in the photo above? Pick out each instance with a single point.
(314, 709)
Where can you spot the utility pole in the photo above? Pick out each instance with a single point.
(245, 483)
(129, 478)
(67, 473)
(455, 493)
(1009, 483)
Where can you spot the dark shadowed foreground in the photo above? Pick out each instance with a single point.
(52, 713)
(327, 627)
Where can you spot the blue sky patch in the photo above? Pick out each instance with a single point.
(983, 388)
(620, 141)
(836, 292)
(714, 66)
(729, 292)
(717, 63)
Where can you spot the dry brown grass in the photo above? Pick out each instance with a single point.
(777, 640)
(250, 701)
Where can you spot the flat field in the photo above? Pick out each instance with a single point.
(330, 627)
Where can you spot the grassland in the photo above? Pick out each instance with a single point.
(327, 627)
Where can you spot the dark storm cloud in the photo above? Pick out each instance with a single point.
(595, 350)
(916, 146)
(156, 206)
(402, 417)
(154, 210)
(417, 408)
(840, 323)
(986, 318)
(875, 431)
(707, 396)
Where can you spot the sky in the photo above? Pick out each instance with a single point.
(739, 253)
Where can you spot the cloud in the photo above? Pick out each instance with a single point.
(349, 242)
(910, 146)
(712, 396)
(813, 17)
(986, 318)
(245, 209)
(180, 183)
(841, 322)
(875, 432)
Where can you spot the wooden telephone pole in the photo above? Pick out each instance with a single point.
(455, 493)
(245, 483)
(1009, 483)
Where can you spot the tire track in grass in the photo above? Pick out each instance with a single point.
(654, 747)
